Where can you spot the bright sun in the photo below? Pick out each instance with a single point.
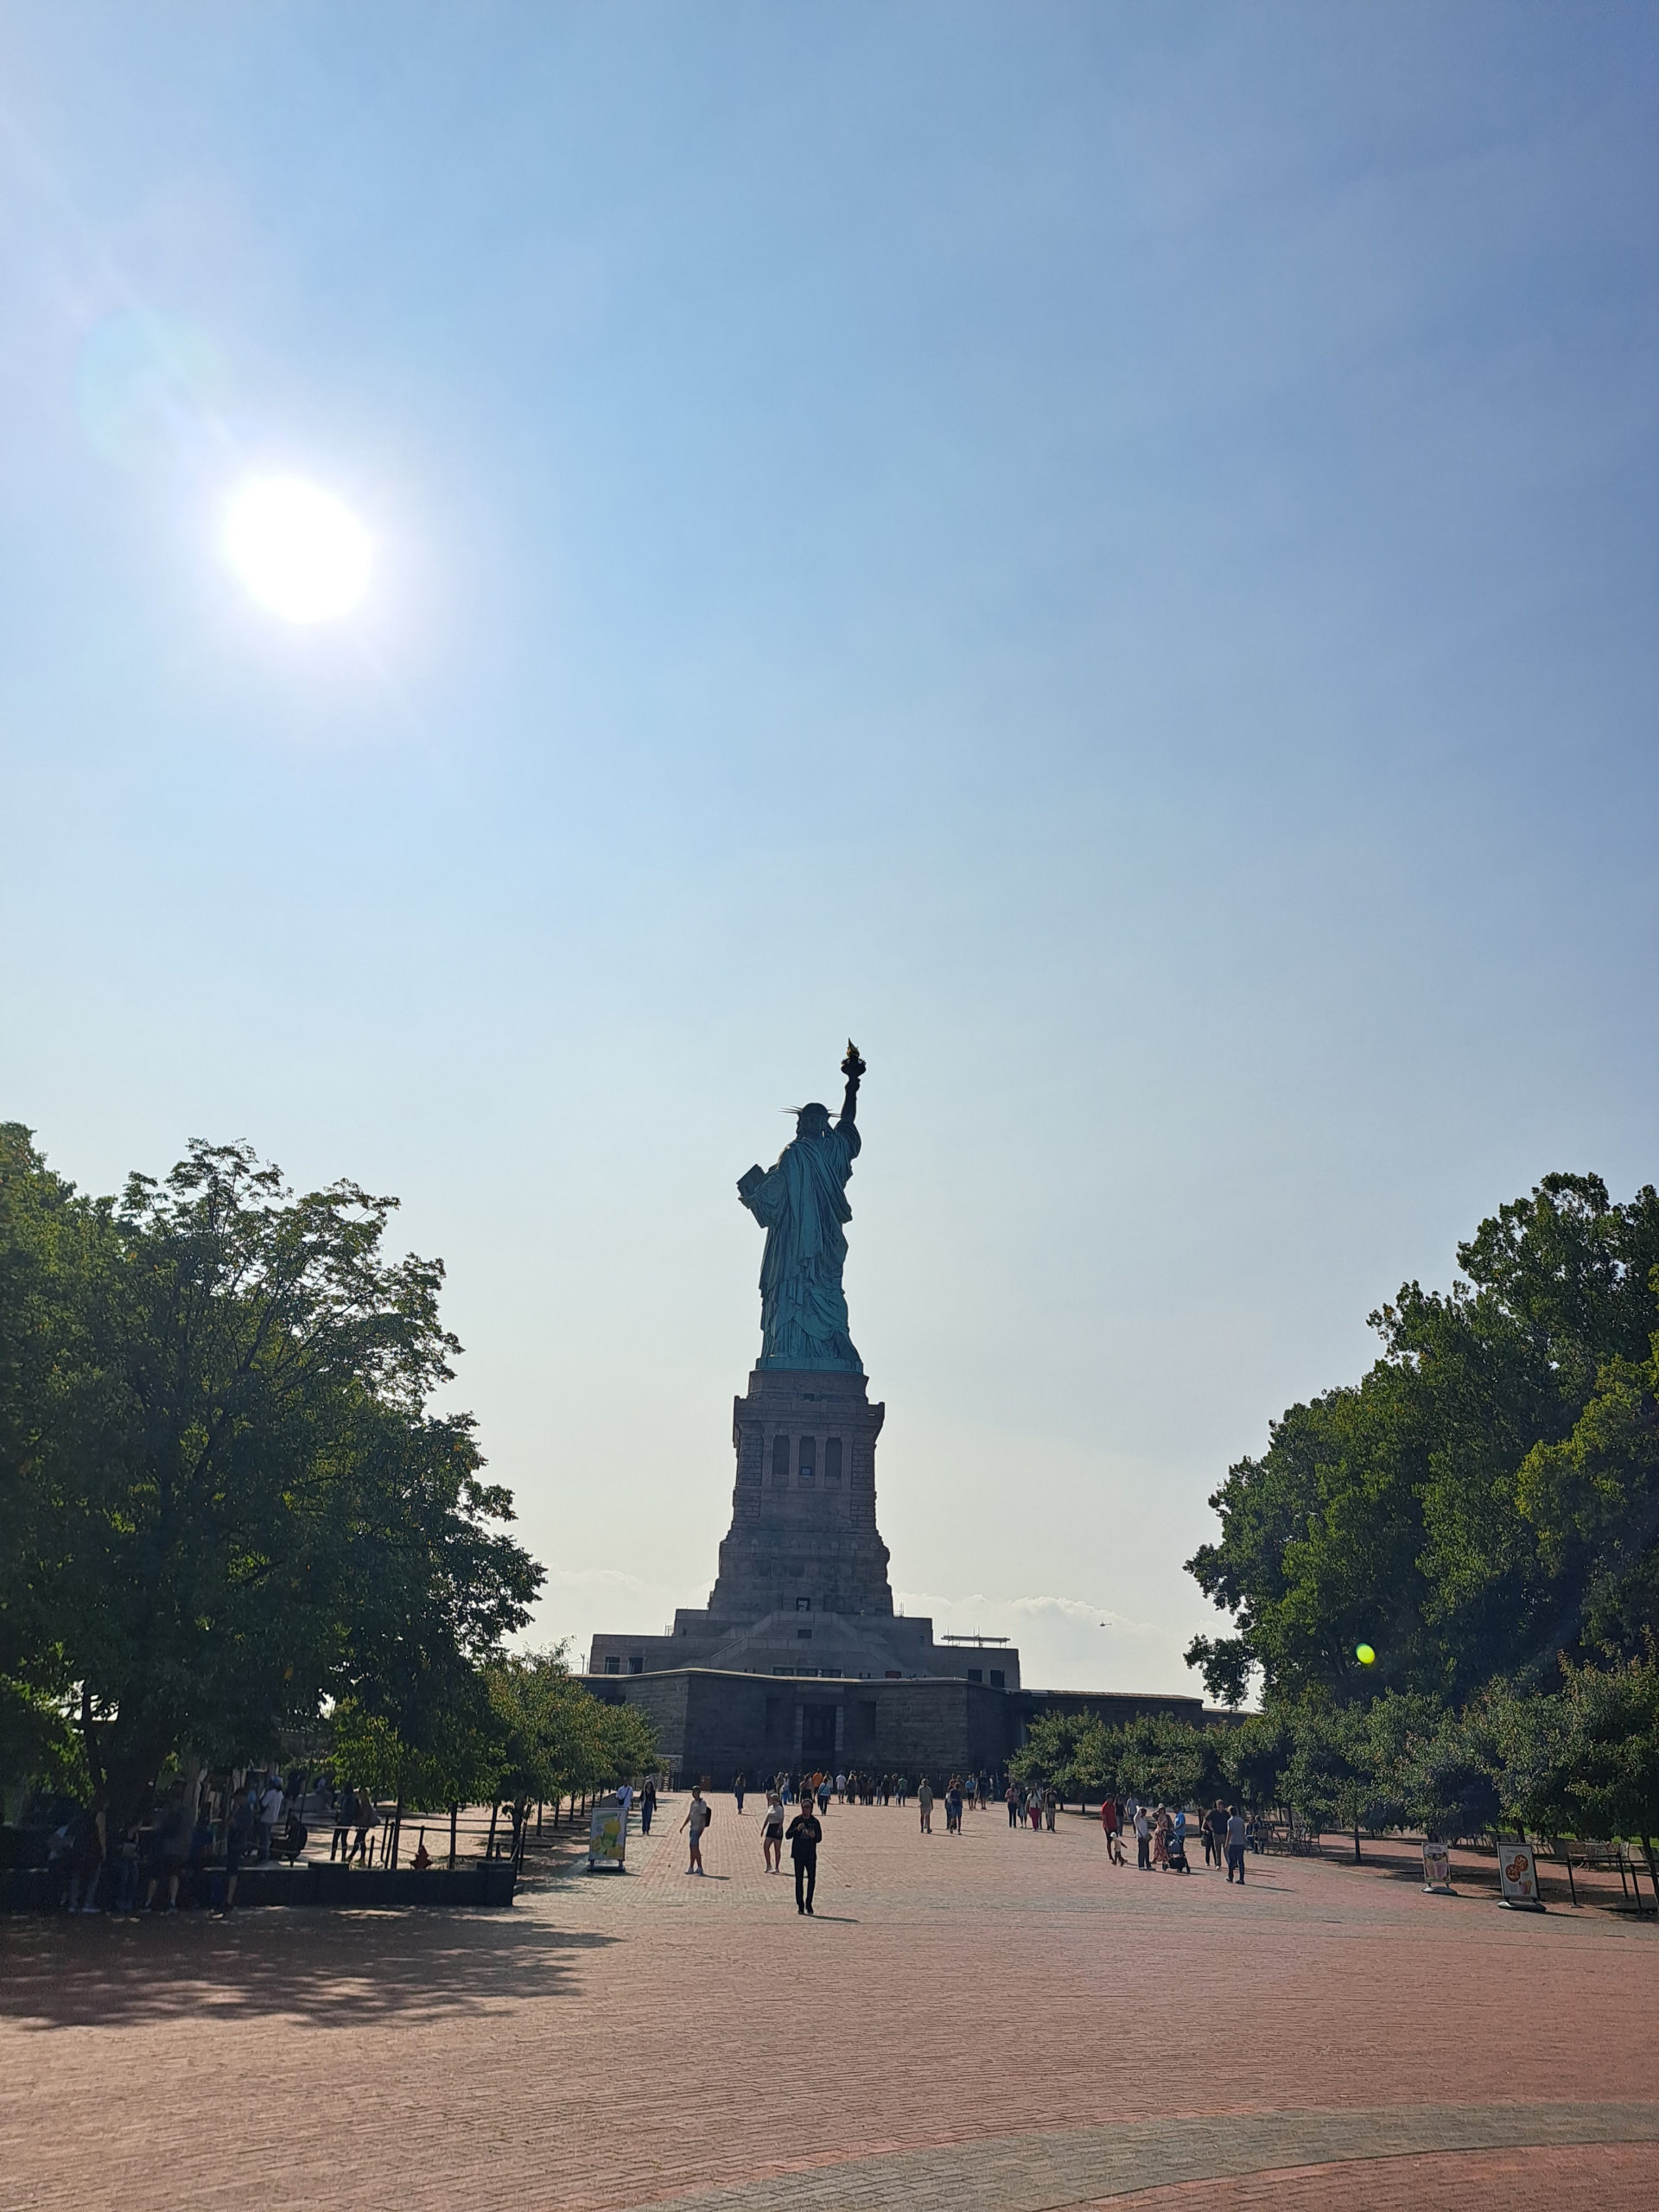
(299, 550)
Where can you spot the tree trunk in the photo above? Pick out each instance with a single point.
(489, 1848)
(396, 1830)
(1357, 1860)
(454, 1814)
(94, 1762)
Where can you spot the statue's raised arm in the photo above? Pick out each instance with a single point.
(801, 1203)
(852, 1067)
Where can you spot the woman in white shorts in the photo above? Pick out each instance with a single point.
(771, 1834)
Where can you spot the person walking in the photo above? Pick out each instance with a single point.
(901, 1791)
(238, 1833)
(1051, 1806)
(1108, 1828)
(771, 1834)
(738, 1789)
(363, 1820)
(841, 1788)
(953, 1807)
(1142, 1839)
(647, 1804)
(825, 1786)
(924, 1805)
(271, 1811)
(697, 1817)
(1011, 1797)
(172, 1852)
(1236, 1831)
(1034, 1809)
(344, 1810)
(805, 1834)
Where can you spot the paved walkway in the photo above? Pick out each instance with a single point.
(1002, 2021)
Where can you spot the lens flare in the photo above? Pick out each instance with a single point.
(300, 551)
(1364, 1653)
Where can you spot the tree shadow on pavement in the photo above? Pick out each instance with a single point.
(318, 1968)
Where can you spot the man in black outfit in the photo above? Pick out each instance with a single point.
(805, 1834)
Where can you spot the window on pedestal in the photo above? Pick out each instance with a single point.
(637, 1664)
(780, 1458)
(832, 1459)
(806, 1465)
(998, 1678)
(614, 1666)
(803, 1604)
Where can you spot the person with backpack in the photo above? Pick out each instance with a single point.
(697, 1817)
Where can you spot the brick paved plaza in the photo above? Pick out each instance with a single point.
(1000, 2021)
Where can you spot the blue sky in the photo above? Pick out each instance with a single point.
(1109, 552)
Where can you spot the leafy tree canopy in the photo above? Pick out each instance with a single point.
(1486, 1499)
(224, 1498)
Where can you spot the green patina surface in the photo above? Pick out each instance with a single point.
(801, 1203)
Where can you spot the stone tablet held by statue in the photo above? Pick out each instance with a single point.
(801, 1203)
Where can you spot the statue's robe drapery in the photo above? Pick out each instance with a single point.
(802, 1204)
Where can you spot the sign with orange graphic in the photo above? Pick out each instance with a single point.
(1518, 1877)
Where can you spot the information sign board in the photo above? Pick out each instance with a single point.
(1518, 1877)
(607, 1836)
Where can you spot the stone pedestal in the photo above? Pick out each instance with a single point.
(803, 1588)
(803, 1537)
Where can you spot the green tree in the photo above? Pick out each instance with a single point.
(1487, 1496)
(1068, 1752)
(1253, 1758)
(1335, 1778)
(1226, 1663)
(229, 1501)
(1444, 1776)
(1611, 1764)
(1158, 1757)
(628, 1747)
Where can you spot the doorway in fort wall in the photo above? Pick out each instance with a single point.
(819, 1733)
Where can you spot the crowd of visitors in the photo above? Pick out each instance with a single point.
(194, 1843)
(1160, 1831)
(854, 1789)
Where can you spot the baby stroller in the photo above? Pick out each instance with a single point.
(1176, 1862)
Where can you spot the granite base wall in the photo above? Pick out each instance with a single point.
(712, 1725)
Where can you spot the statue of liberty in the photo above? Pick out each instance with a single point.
(801, 1203)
